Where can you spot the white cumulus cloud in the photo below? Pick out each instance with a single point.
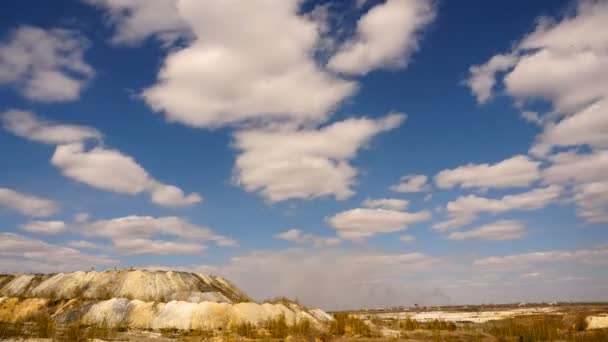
(386, 36)
(230, 73)
(27, 204)
(44, 227)
(305, 163)
(142, 235)
(517, 171)
(496, 231)
(466, 209)
(111, 170)
(45, 65)
(411, 183)
(361, 223)
(28, 125)
(136, 20)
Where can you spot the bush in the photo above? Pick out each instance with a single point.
(10, 330)
(409, 324)
(277, 327)
(580, 323)
(44, 326)
(345, 324)
(245, 329)
(440, 325)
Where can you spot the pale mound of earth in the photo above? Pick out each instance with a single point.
(140, 300)
(460, 317)
(143, 285)
(597, 322)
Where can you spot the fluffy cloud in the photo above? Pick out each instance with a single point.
(500, 230)
(136, 20)
(299, 237)
(587, 127)
(483, 77)
(21, 254)
(27, 204)
(134, 235)
(386, 203)
(229, 74)
(564, 61)
(465, 209)
(373, 48)
(513, 172)
(44, 227)
(98, 167)
(587, 175)
(411, 183)
(28, 125)
(111, 170)
(45, 65)
(305, 163)
(361, 223)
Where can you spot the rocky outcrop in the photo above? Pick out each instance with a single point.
(140, 300)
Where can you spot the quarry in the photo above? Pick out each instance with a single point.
(145, 305)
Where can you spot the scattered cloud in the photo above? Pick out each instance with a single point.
(28, 125)
(299, 237)
(483, 77)
(158, 247)
(597, 255)
(111, 170)
(361, 223)
(229, 75)
(497, 231)
(517, 171)
(28, 205)
(465, 209)
(587, 176)
(99, 167)
(134, 235)
(45, 65)
(44, 227)
(411, 183)
(22, 254)
(562, 61)
(373, 48)
(136, 20)
(586, 127)
(305, 163)
(386, 203)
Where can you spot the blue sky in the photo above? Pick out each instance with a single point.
(398, 152)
